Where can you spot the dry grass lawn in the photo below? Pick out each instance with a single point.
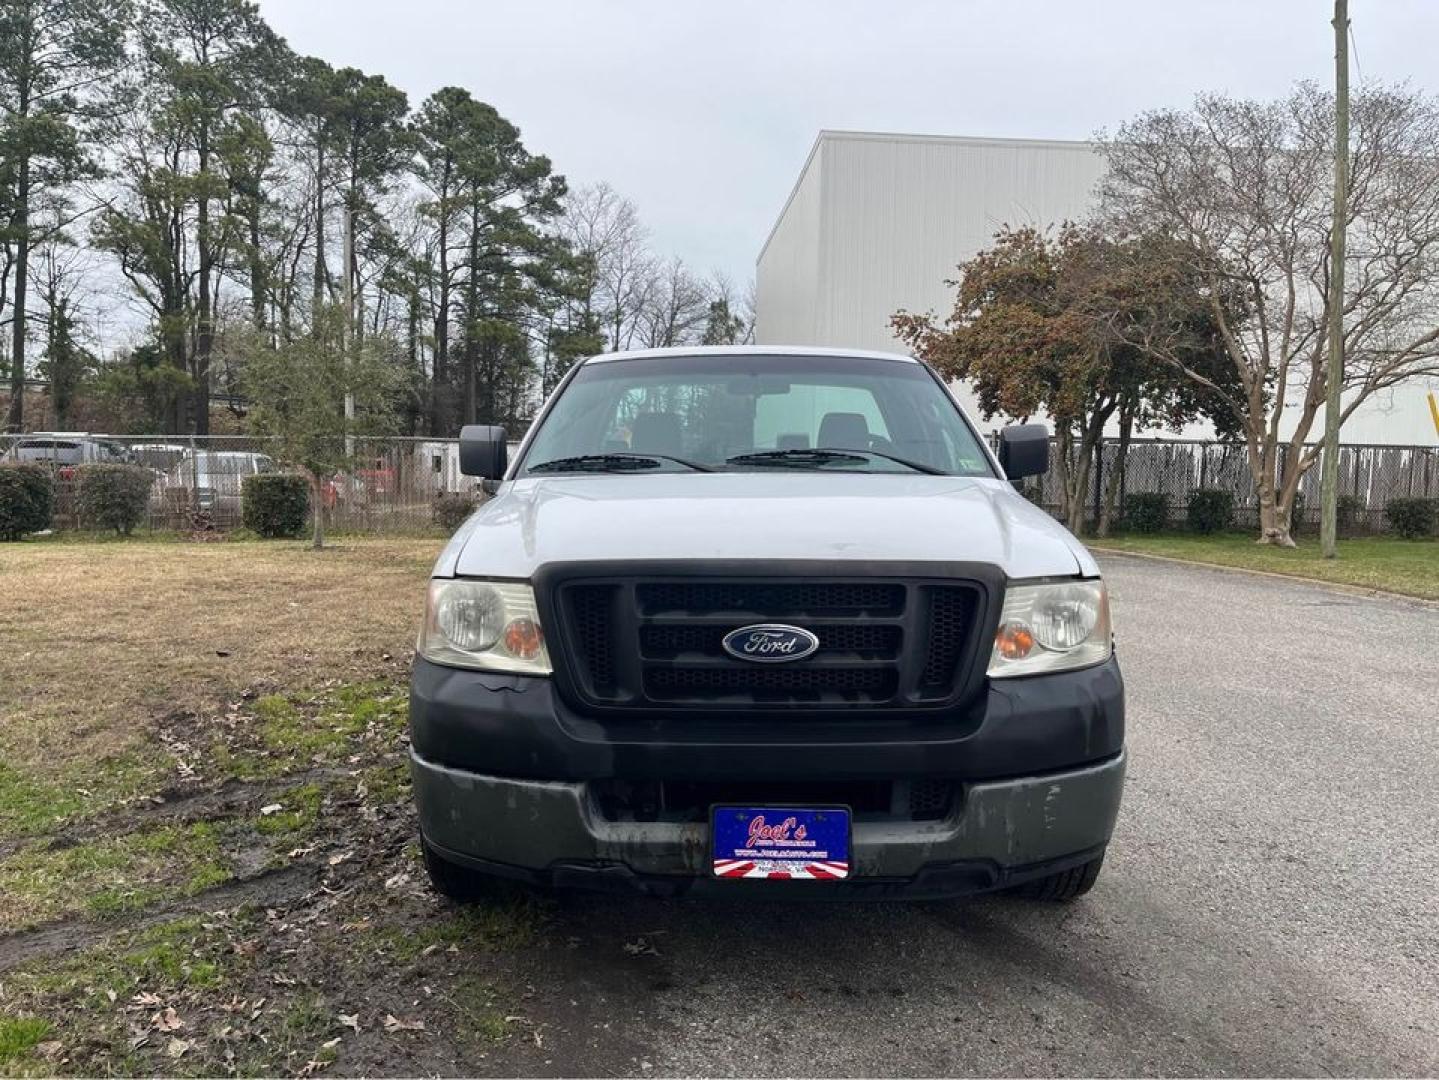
(97, 640)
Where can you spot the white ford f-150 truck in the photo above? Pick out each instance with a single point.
(770, 620)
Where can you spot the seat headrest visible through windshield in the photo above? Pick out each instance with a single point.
(656, 433)
(843, 431)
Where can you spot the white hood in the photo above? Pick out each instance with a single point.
(760, 515)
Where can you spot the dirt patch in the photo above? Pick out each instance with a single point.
(342, 960)
(179, 806)
(324, 950)
(271, 888)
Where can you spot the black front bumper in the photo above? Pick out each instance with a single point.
(935, 880)
(519, 726)
(505, 776)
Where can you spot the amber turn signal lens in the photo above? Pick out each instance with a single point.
(1014, 641)
(523, 639)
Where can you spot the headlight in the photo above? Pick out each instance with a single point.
(1055, 626)
(490, 625)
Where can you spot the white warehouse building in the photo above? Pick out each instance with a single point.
(878, 222)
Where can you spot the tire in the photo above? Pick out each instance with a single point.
(1064, 886)
(459, 883)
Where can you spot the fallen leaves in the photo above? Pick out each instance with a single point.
(642, 947)
(394, 1024)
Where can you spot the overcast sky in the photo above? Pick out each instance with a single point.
(703, 113)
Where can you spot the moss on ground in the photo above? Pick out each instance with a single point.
(110, 876)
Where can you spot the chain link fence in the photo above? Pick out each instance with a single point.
(1369, 476)
(395, 486)
(398, 484)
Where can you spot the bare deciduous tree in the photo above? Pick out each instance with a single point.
(603, 227)
(675, 307)
(1244, 189)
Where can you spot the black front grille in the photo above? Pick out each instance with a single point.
(666, 641)
(951, 613)
(929, 798)
(653, 643)
(772, 599)
(771, 683)
(592, 619)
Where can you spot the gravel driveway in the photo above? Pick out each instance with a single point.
(1270, 904)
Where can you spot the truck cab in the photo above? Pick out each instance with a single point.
(768, 620)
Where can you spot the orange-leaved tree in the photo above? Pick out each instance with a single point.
(1043, 324)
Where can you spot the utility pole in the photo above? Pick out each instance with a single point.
(347, 329)
(1329, 484)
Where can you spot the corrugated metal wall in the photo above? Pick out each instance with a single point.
(901, 213)
(788, 277)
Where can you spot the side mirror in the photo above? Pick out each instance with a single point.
(1024, 450)
(483, 451)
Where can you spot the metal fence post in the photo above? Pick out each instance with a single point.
(194, 500)
(1098, 479)
(1122, 462)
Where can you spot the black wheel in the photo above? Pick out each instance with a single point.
(1066, 885)
(456, 882)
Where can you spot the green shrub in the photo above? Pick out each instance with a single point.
(1211, 510)
(1412, 518)
(1297, 520)
(1146, 511)
(275, 504)
(451, 511)
(27, 500)
(113, 496)
(1347, 509)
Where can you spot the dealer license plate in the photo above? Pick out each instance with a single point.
(781, 843)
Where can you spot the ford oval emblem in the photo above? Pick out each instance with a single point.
(770, 643)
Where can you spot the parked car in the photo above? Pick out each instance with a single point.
(750, 619)
(66, 450)
(373, 482)
(209, 482)
(158, 456)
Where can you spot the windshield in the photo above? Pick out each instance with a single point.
(60, 451)
(752, 413)
(158, 457)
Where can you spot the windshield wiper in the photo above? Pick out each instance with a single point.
(615, 462)
(822, 455)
